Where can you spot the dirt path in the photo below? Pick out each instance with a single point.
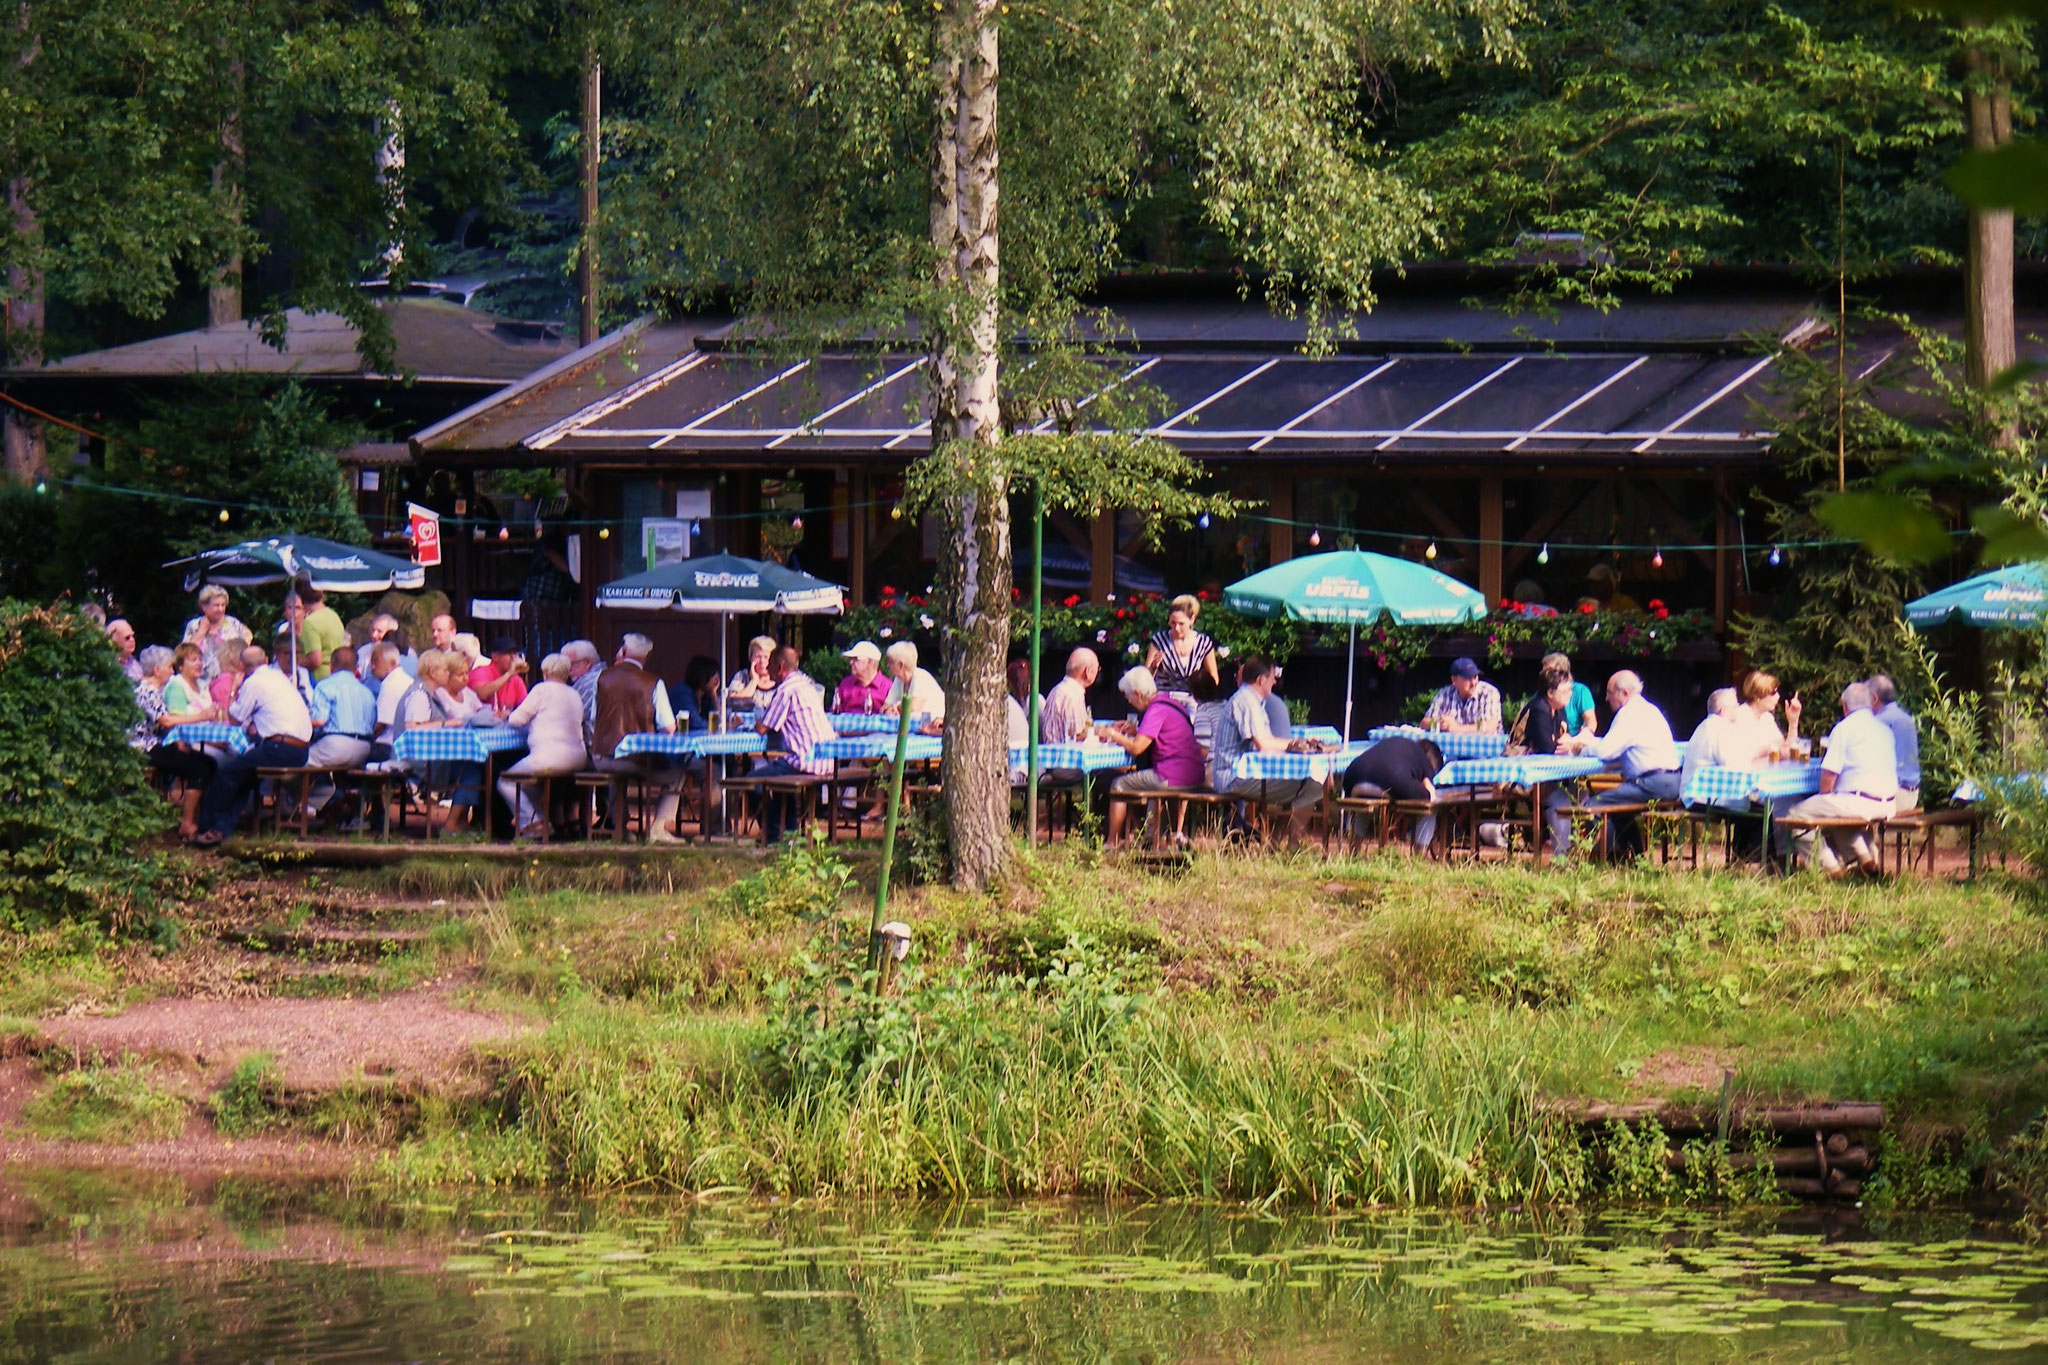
(415, 1038)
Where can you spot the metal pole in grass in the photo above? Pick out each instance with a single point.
(889, 835)
(1037, 632)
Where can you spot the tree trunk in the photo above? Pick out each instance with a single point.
(389, 162)
(22, 437)
(1988, 302)
(586, 202)
(224, 293)
(974, 555)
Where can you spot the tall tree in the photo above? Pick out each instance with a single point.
(838, 165)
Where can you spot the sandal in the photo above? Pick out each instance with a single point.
(206, 838)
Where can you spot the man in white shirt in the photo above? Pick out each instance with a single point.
(1244, 728)
(1638, 742)
(1064, 718)
(392, 682)
(1705, 748)
(1859, 778)
(927, 698)
(271, 708)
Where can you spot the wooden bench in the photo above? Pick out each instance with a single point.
(1670, 825)
(1154, 805)
(390, 788)
(625, 801)
(1926, 823)
(1340, 810)
(299, 783)
(539, 789)
(802, 786)
(1603, 815)
(1795, 825)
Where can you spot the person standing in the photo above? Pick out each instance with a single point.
(1884, 700)
(1466, 705)
(1177, 653)
(1859, 778)
(213, 628)
(269, 706)
(321, 633)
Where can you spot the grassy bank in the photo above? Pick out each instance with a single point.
(1377, 1030)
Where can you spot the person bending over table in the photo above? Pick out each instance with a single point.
(1859, 779)
(1639, 742)
(270, 707)
(1243, 728)
(1465, 705)
(552, 716)
(1163, 732)
(1399, 769)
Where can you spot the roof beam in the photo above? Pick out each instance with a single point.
(1232, 387)
(1588, 396)
(842, 406)
(1716, 396)
(1449, 403)
(1374, 373)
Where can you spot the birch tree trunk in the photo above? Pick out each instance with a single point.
(974, 555)
(22, 437)
(1988, 301)
(224, 293)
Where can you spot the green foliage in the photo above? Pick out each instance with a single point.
(74, 807)
(265, 451)
(124, 1103)
(1637, 1171)
(806, 880)
(248, 1102)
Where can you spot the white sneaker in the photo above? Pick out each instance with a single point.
(1493, 834)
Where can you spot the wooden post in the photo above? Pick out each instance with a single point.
(1102, 556)
(586, 204)
(1490, 537)
(1281, 500)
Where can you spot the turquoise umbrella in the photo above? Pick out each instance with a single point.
(2016, 595)
(1354, 587)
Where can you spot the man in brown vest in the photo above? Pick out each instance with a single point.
(632, 701)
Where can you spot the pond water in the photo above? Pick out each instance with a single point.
(141, 1268)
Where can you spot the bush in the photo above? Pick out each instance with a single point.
(74, 803)
(107, 1104)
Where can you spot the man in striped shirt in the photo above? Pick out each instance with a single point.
(796, 712)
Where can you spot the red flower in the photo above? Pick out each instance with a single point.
(1073, 600)
(1121, 613)
(888, 591)
(1587, 608)
(1660, 613)
(1016, 594)
(917, 601)
(1202, 596)
(1656, 604)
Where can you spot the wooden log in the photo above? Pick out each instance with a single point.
(1807, 1187)
(1838, 1143)
(1789, 1161)
(1848, 1116)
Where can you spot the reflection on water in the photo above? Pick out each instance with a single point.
(135, 1268)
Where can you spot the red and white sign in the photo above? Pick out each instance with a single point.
(426, 534)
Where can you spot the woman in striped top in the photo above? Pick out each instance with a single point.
(1180, 651)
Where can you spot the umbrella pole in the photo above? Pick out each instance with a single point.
(1037, 629)
(1350, 673)
(724, 679)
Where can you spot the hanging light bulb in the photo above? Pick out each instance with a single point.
(1543, 555)
(895, 514)
(41, 486)
(1776, 558)
(604, 533)
(1430, 553)
(1657, 559)
(696, 529)
(1315, 537)
(504, 533)
(1203, 521)
(223, 516)
(796, 523)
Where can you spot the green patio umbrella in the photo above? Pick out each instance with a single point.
(2016, 595)
(1354, 587)
(726, 585)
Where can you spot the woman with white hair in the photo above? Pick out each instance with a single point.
(213, 627)
(752, 687)
(190, 766)
(552, 716)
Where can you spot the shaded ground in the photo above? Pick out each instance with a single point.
(417, 1039)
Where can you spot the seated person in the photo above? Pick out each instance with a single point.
(1466, 705)
(1244, 728)
(1164, 734)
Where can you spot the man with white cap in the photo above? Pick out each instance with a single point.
(864, 689)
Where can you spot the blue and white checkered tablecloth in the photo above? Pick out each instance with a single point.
(212, 732)
(1253, 767)
(918, 749)
(1452, 746)
(457, 744)
(693, 744)
(1715, 785)
(1520, 771)
(1328, 734)
(861, 723)
(1088, 758)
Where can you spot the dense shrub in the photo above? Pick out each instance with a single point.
(74, 805)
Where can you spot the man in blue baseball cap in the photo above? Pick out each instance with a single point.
(1468, 705)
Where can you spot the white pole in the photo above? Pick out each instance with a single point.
(1350, 671)
(724, 681)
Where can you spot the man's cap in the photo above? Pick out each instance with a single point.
(1464, 668)
(1600, 573)
(864, 650)
(504, 644)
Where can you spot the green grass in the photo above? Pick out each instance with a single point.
(124, 1103)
